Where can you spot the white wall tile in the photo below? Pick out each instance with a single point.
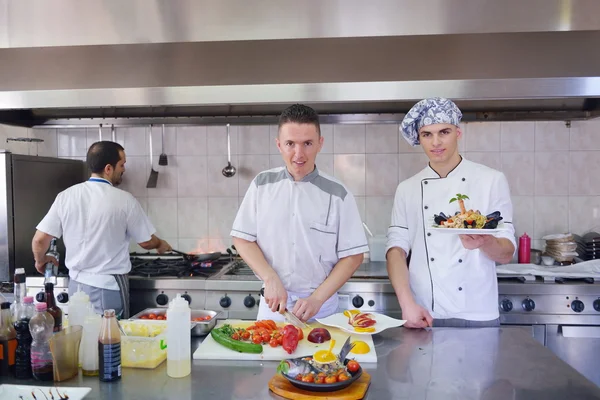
(327, 133)
(49, 146)
(405, 147)
(144, 203)
(382, 174)
(519, 169)
(135, 140)
(382, 138)
(379, 213)
(410, 164)
(489, 159)
(325, 164)
(350, 169)
(254, 139)
(551, 136)
(551, 173)
(273, 133)
(194, 245)
(218, 184)
(72, 142)
(170, 145)
(349, 139)
(523, 215)
(192, 217)
(166, 186)
(361, 204)
(585, 173)
(221, 214)
(275, 161)
(163, 214)
(248, 167)
(551, 215)
(192, 140)
(584, 214)
(517, 136)
(137, 171)
(219, 244)
(584, 135)
(192, 177)
(462, 140)
(216, 140)
(93, 136)
(483, 136)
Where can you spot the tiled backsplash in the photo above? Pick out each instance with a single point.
(553, 171)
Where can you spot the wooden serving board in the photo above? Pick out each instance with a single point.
(211, 350)
(282, 387)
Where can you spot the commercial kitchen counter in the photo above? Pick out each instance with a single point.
(441, 363)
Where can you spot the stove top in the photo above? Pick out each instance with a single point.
(150, 265)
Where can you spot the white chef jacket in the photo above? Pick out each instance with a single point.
(303, 228)
(445, 278)
(97, 221)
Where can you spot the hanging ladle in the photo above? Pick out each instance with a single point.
(229, 170)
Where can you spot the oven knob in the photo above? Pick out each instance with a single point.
(358, 301)
(40, 297)
(371, 303)
(597, 305)
(577, 306)
(187, 298)
(62, 297)
(225, 301)
(506, 305)
(249, 301)
(162, 299)
(528, 305)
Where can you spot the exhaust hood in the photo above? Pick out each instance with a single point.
(185, 61)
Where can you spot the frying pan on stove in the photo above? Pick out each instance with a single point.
(199, 257)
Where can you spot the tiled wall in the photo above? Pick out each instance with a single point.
(553, 171)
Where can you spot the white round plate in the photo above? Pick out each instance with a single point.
(382, 323)
(457, 231)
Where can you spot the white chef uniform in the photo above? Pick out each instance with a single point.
(445, 278)
(303, 228)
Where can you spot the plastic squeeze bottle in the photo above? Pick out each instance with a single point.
(179, 341)
(524, 249)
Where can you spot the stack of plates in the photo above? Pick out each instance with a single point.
(561, 247)
(588, 246)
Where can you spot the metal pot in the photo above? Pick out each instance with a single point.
(536, 256)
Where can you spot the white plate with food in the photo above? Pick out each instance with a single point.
(467, 231)
(29, 392)
(353, 321)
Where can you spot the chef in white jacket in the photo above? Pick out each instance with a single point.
(450, 279)
(297, 228)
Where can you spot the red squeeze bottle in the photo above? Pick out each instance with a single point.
(524, 249)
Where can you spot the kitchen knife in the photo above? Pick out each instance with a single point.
(291, 318)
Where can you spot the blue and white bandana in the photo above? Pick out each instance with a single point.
(436, 110)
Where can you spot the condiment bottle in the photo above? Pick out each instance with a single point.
(53, 309)
(524, 249)
(89, 345)
(179, 356)
(23, 352)
(8, 341)
(41, 327)
(109, 348)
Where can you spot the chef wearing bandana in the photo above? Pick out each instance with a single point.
(450, 279)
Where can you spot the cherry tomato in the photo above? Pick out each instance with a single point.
(344, 376)
(280, 340)
(265, 337)
(273, 342)
(256, 339)
(330, 379)
(235, 336)
(320, 379)
(308, 378)
(353, 366)
(160, 318)
(298, 377)
(151, 316)
(245, 335)
(300, 334)
(144, 317)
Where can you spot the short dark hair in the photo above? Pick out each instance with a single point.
(300, 114)
(101, 154)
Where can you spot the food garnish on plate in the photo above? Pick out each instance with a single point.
(466, 219)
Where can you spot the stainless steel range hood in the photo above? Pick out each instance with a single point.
(89, 62)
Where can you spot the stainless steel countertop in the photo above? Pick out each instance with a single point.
(441, 363)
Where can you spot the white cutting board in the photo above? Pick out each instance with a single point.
(211, 350)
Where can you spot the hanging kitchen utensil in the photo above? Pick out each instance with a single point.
(113, 133)
(162, 159)
(153, 178)
(229, 170)
(100, 133)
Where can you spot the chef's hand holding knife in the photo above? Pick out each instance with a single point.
(275, 294)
